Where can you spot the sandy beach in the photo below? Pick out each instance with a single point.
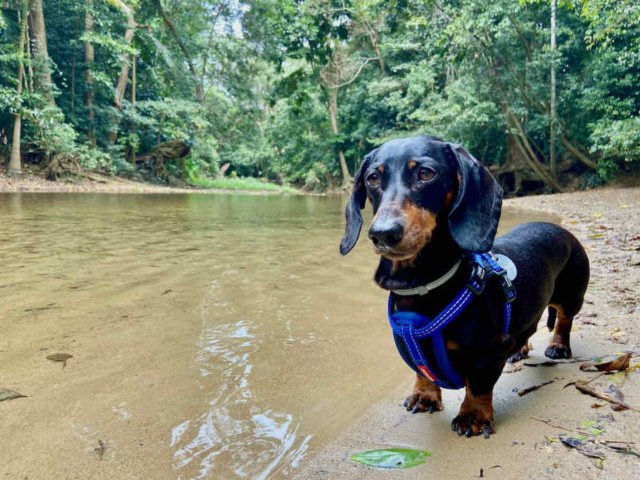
(526, 444)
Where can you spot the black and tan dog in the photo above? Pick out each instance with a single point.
(434, 203)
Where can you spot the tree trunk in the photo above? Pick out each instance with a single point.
(529, 156)
(73, 63)
(15, 167)
(124, 70)
(133, 109)
(42, 70)
(89, 57)
(124, 76)
(374, 43)
(174, 32)
(552, 111)
(333, 113)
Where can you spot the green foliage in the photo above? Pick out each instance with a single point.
(240, 183)
(246, 84)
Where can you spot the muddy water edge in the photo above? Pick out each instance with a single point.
(203, 336)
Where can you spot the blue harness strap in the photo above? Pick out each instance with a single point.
(419, 339)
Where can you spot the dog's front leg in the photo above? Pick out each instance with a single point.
(475, 415)
(426, 396)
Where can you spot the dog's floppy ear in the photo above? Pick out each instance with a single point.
(356, 203)
(473, 219)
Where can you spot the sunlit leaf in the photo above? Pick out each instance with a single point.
(392, 458)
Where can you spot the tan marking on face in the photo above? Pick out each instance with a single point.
(448, 199)
(397, 265)
(412, 164)
(419, 224)
(381, 168)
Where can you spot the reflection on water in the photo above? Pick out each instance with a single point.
(212, 336)
(252, 445)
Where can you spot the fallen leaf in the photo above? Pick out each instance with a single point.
(6, 394)
(588, 423)
(581, 446)
(617, 394)
(619, 378)
(392, 458)
(548, 363)
(596, 431)
(620, 363)
(60, 357)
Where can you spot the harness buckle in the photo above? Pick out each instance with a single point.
(509, 289)
(476, 282)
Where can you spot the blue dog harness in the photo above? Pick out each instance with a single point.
(419, 339)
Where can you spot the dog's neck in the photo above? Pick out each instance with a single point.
(435, 260)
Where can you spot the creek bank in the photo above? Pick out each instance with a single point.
(98, 183)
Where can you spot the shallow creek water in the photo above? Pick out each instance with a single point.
(212, 336)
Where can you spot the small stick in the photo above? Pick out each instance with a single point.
(584, 383)
(551, 424)
(590, 391)
(535, 387)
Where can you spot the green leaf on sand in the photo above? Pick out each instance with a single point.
(6, 394)
(392, 458)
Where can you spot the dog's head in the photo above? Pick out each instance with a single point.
(415, 185)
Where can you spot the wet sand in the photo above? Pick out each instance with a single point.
(607, 221)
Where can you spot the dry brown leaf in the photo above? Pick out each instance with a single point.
(620, 363)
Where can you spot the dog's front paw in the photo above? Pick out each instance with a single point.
(472, 423)
(422, 402)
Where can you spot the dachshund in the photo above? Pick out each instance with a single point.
(435, 205)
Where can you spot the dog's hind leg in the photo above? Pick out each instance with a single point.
(426, 397)
(559, 346)
(567, 299)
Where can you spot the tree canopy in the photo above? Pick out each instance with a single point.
(545, 93)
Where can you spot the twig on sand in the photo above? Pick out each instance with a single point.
(547, 422)
(535, 387)
(585, 383)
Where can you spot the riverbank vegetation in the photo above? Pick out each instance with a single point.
(544, 93)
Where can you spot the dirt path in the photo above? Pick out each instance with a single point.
(526, 445)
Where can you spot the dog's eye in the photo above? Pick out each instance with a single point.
(373, 179)
(426, 174)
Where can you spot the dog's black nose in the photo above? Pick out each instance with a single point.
(386, 235)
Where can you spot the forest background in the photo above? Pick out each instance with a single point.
(545, 93)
